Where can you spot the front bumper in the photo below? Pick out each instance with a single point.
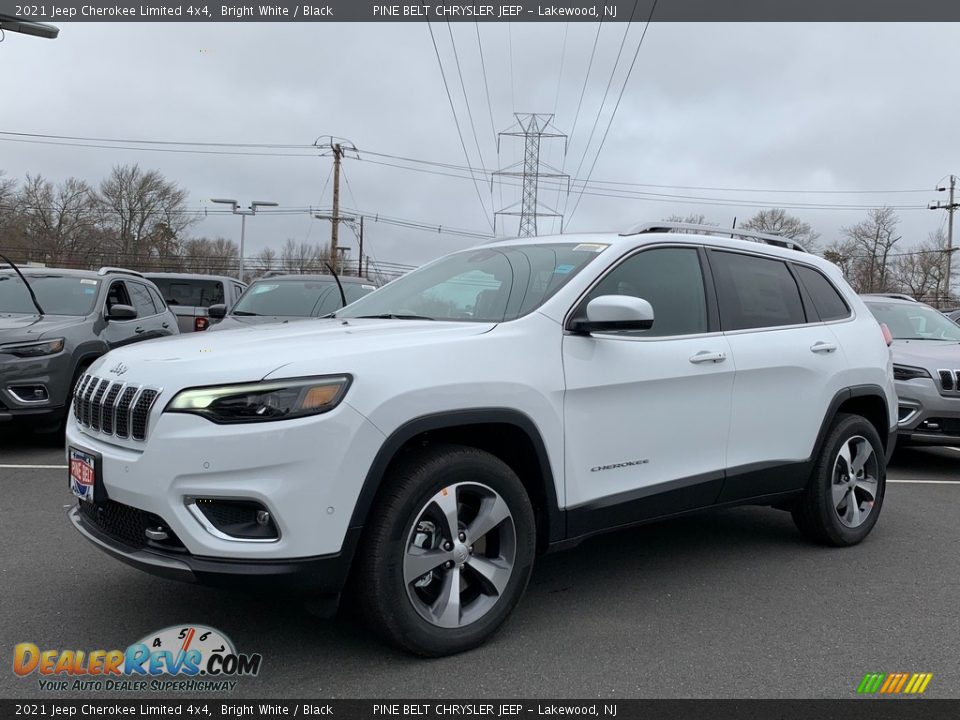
(307, 473)
(322, 574)
(927, 417)
(52, 372)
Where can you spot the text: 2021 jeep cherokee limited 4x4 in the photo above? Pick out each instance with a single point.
(428, 440)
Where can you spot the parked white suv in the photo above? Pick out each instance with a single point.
(431, 438)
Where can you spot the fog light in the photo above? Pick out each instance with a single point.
(29, 393)
(234, 519)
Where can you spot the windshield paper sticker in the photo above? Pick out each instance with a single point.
(591, 247)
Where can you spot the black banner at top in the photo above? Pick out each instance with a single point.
(54, 11)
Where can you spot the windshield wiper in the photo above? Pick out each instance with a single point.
(393, 316)
(244, 312)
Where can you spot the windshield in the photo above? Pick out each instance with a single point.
(191, 293)
(297, 298)
(484, 285)
(57, 294)
(909, 321)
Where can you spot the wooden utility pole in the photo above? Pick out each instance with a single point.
(335, 224)
(360, 264)
(950, 207)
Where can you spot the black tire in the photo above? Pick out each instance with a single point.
(817, 514)
(387, 602)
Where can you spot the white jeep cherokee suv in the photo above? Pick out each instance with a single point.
(426, 442)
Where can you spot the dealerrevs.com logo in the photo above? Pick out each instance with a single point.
(204, 658)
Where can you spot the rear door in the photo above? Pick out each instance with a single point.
(789, 367)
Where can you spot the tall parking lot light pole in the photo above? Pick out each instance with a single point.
(252, 210)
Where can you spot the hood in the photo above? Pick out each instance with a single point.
(929, 354)
(252, 353)
(24, 328)
(231, 322)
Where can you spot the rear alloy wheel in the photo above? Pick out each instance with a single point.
(843, 498)
(447, 552)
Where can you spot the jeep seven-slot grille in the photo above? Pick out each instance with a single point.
(949, 380)
(113, 408)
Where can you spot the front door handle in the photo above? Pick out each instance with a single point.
(139, 330)
(165, 325)
(823, 347)
(706, 356)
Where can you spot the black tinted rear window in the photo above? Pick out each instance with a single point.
(190, 293)
(755, 292)
(826, 298)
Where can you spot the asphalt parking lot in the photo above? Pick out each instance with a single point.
(730, 604)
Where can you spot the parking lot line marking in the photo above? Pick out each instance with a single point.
(34, 467)
(924, 482)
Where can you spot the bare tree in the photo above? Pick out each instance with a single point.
(59, 224)
(265, 261)
(923, 272)
(216, 256)
(301, 257)
(145, 212)
(778, 222)
(691, 218)
(872, 241)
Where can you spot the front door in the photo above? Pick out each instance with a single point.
(647, 412)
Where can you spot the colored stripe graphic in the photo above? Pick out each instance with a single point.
(894, 683)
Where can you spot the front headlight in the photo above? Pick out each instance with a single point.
(33, 349)
(905, 372)
(263, 401)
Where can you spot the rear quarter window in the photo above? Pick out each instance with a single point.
(827, 300)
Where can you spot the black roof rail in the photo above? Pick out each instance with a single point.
(118, 271)
(769, 239)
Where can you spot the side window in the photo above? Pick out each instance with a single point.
(157, 300)
(237, 292)
(755, 292)
(671, 280)
(117, 295)
(826, 298)
(142, 302)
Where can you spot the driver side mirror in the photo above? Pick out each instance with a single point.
(121, 312)
(609, 313)
(217, 311)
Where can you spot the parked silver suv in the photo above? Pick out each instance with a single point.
(73, 317)
(926, 357)
(190, 296)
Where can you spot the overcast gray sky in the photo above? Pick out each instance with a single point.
(759, 106)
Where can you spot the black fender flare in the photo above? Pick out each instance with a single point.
(839, 399)
(441, 420)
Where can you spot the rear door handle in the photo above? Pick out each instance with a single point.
(823, 347)
(138, 330)
(706, 356)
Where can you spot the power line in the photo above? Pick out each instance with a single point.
(481, 170)
(603, 100)
(463, 87)
(616, 107)
(583, 90)
(456, 121)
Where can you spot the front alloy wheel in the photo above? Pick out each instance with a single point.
(447, 549)
(460, 554)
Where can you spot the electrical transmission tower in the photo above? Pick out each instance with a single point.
(532, 127)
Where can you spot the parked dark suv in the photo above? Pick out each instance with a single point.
(81, 315)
